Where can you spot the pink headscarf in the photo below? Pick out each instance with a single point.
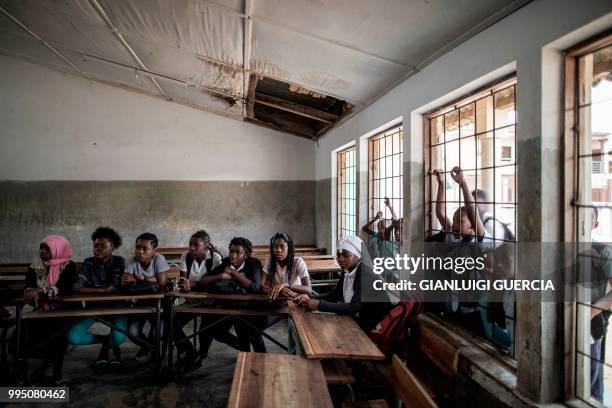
(61, 252)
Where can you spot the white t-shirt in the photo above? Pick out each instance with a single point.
(158, 265)
(299, 271)
(198, 269)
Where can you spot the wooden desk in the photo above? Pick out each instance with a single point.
(95, 313)
(252, 297)
(107, 298)
(327, 335)
(322, 266)
(111, 311)
(257, 305)
(278, 380)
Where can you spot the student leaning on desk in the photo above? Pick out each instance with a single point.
(345, 298)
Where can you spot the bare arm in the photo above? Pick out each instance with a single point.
(457, 175)
(440, 198)
(366, 228)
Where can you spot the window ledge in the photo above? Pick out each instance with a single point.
(479, 361)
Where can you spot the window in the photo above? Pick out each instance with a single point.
(385, 175)
(477, 134)
(346, 193)
(588, 145)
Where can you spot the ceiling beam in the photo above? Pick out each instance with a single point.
(250, 98)
(295, 108)
(125, 44)
(44, 43)
(246, 54)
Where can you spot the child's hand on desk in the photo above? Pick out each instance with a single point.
(184, 284)
(301, 298)
(127, 278)
(225, 276)
(280, 289)
(311, 304)
(32, 295)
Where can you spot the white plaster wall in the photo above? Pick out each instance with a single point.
(59, 127)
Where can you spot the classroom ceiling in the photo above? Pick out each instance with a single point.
(310, 63)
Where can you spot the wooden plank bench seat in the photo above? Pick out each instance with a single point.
(278, 380)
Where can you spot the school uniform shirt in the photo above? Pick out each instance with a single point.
(198, 269)
(250, 268)
(158, 265)
(299, 271)
(95, 274)
(348, 302)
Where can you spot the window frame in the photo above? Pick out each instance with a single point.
(399, 210)
(574, 208)
(340, 198)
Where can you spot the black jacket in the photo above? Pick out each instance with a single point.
(251, 270)
(371, 310)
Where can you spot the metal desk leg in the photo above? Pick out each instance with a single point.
(18, 330)
(158, 362)
(171, 317)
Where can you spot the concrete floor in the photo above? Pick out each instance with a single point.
(135, 385)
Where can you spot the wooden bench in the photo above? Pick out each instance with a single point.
(278, 380)
(408, 388)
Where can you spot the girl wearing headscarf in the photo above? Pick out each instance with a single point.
(346, 298)
(52, 275)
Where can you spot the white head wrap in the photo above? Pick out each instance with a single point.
(351, 244)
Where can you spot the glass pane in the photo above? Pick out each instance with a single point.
(485, 184)
(389, 164)
(484, 114)
(437, 129)
(468, 153)
(388, 188)
(396, 164)
(466, 115)
(452, 155)
(437, 157)
(396, 143)
(505, 146)
(451, 125)
(485, 150)
(389, 145)
(504, 107)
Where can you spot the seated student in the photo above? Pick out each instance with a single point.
(146, 266)
(243, 274)
(196, 264)
(101, 274)
(285, 274)
(53, 275)
(346, 297)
